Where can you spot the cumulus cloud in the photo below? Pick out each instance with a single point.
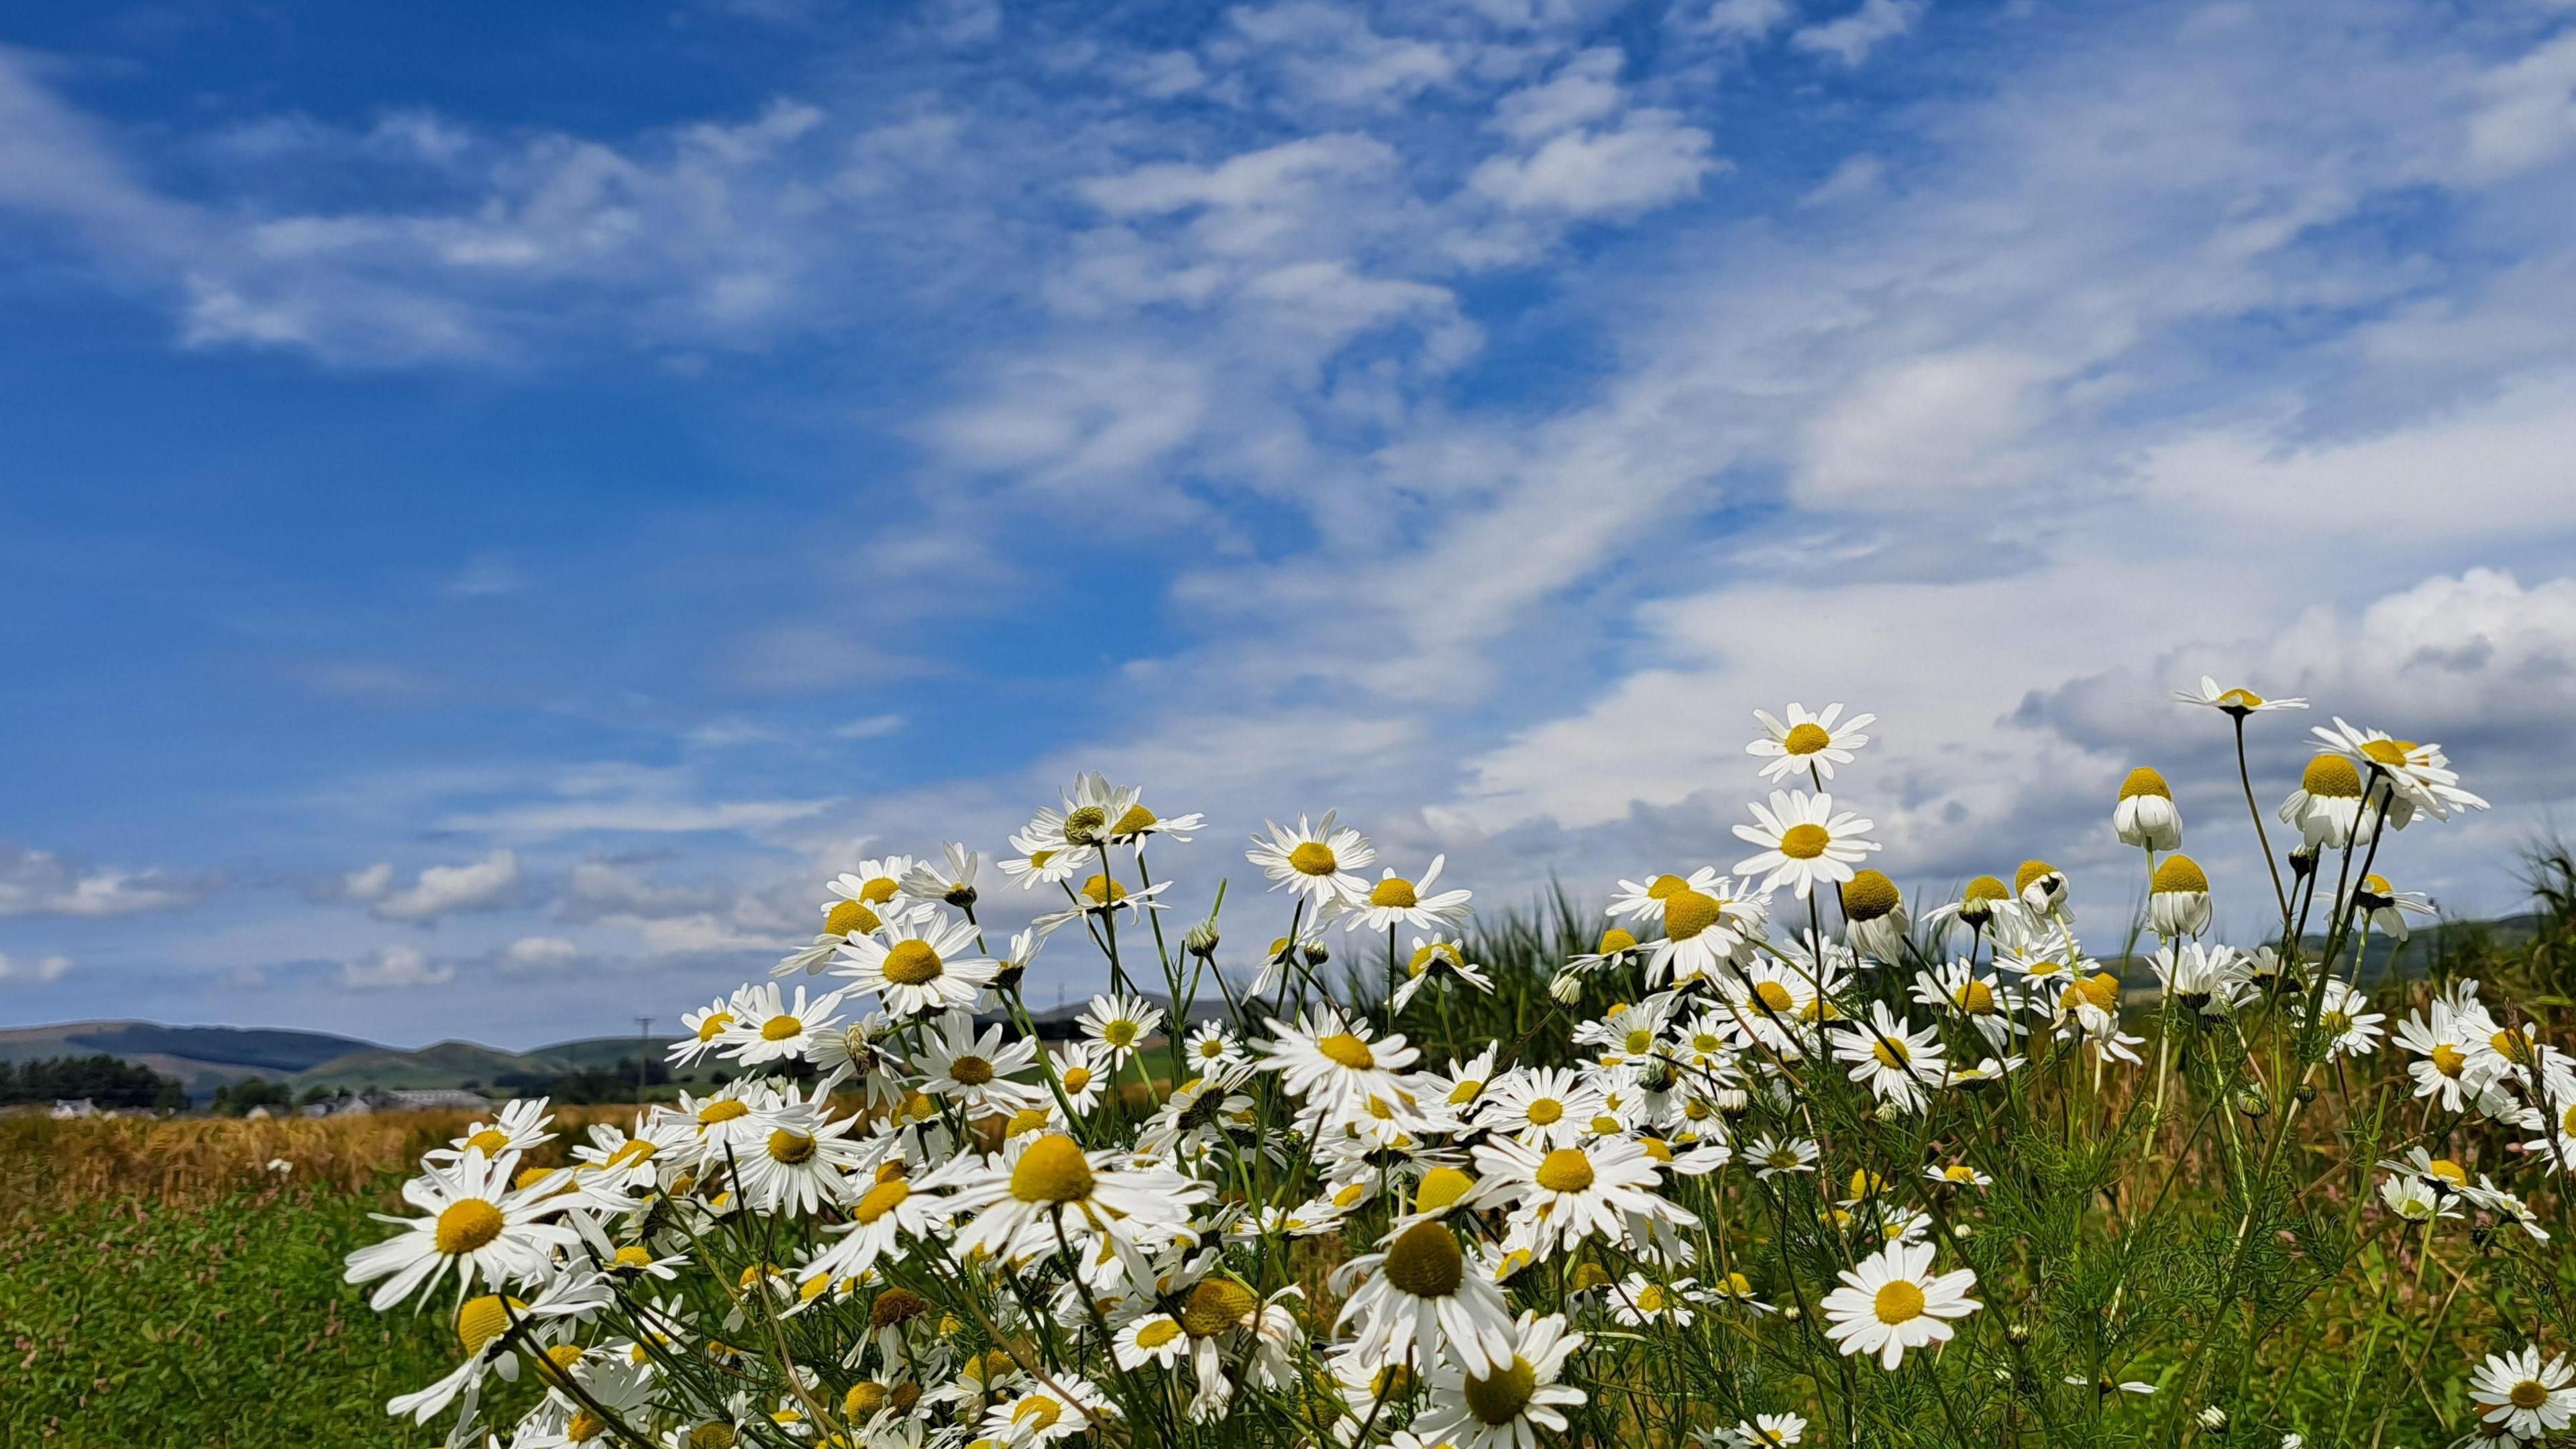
(541, 951)
(489, 884)
(1649, 159)
(1849, 38)
(395, 968)
(43, 883)
(42, 971)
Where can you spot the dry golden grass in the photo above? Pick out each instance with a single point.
(189, 1160)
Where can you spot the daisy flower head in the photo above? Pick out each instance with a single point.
(801, 1152)
(1117, 1024)
(1803, 842)
(1771, 1156)
(2327, 806)
(1956, 988)
(1984, 902)
(1893, 1301)
(1767, 1431)
(1436, 957)
(1518, 1406)
(2508, 1208)
(768, 1028)
(702, 1030)
(2524, 1397)
(2146, 814)
(1038, 1185)
(1419, 1297)
(2210, 980)
(1044, 1410)
(1875, 923)
(1541, 1106)
(518, 1127)
(1896, 1063)
(888, 1211)
(2349, 1029)
(2447, 1063)
(2384, 906)
(976, 1071)
(950, 882)
(1603, 1187)
(1395, 901)
(1705, 927)
(1334, 1066)
(1638, 1299)
(2041, 888)
(1039, 863)
(1102, 896)
(1807, 742)
(1317, 860)
(873, 883)
(1211, 1045)
(2178, 898)
(2236, 702)
(923, 966)
(475, 1222)
(1156, 1338)
(1635, 900)
(2418, 777)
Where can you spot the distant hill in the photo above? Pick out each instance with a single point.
(206, 1057)
(443, 1064)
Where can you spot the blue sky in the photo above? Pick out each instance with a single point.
(497, 504)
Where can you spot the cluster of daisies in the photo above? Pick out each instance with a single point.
(1247, 1209)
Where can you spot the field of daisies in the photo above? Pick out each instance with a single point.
(1763, 1156)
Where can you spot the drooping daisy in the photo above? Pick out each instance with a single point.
(2041, 888)
(2327, 806)
(1875, 922)
(2237, 702)
(2146, 814)
(1333, 1065)
(476, 1223)
(1803, 842)
(977, 1071)
(766, 1028)
(2384, 906)
(1395, 901)
(2524, 1397)
(1420, 1296)
(1118, 1024)
(1897, 1064)
(1985, 903)
(1893, 1301)
(2419, 775)
(1318, 859)
(1518, 1406)
(1807, 742)
(2178, 898)
(2210, 980)
(927, 966)
(1704, 929)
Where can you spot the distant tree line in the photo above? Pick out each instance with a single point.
(105, 1080)
(587, 1085)
(235, 1099)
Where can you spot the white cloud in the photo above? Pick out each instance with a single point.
(2527, 111)
(1650, 159)
(394, 968)
(541, 951)
(42, 883)
(43, 971)
(1849, 38)
(1750, 19)
(869, 727)
(442, 890)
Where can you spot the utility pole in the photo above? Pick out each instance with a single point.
(643, 1054)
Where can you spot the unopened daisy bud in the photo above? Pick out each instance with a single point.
(2303, 861)
(2213, 1419)
(1565, 988)
(1733, 1102)
(1315, 953)
(2041, 887)
(1201, 940)
(2252, 1102)
(2146, 814)
(2305, 1094)
(2016, 1333)
(2178, 899)
(1876, 912)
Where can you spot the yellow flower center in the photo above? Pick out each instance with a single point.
(714, 1025)
(1082, 826)
(1650, 1298)
(1440, 1187)
(1136, 821)
(1898, 1302)
(1804, 842)
(1426, 1262)
(1218, 1304)
(1546, 1112)
(715, 1435)
(1614, 941)
(723, 1109)
(1025, 1121)
(881, 1199)
(2180, 875)
(1076, 1080)
(467, 1224)
(2337, 1023)
(793, 1148)
(2332, 776)
(635, 1153)
(1565, 1170)
(1313, 858)
(2031, 870)
(2384, 752)
(481, 1320)
(1890, 1053)
(864, 1399)
(1498, 1401)
(1984, 890)
(633, 1256)
(1806, 739)
(2102, 989)
(1157, 1333)
(1975, 997)
(2510, 1045)
(2143, 781)
(1394, 891)
(2240, 699)
(1774, 996)
(2449, 1171)
(584, 1425)
(1688, 912)
(1036, 1414)
(780, 1028)
(970, 1071)
(1959, 1172)
(2449, 1060)
(1344, 1049)
(490, 1141)
(1052, 1170)
(1100, 890)
(2528, 1395)
(912, 963)
(1868, 895)
(1665, 887)
(1121, 1032)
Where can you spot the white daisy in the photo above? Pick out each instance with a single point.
(1559, 1196)
(926, 967)
(1807, 741)
(2178, 898)
(1897, 1064)
(2237, 702)
(766, 1028)
(2146, 814)
(1395, 901)
(1118, 1025)
(977, 1071)
(1517, 1406)
(1892, 1301)
(2419, 775)
(1318, 860)
(1333, 1065)
(1436, 958)
(1541, 1106)
(951, 882)
(2524, 1397)
(1803, 842)
(476, 1222)
(1419, 1296)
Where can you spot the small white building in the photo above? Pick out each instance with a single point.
(75, 1107)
